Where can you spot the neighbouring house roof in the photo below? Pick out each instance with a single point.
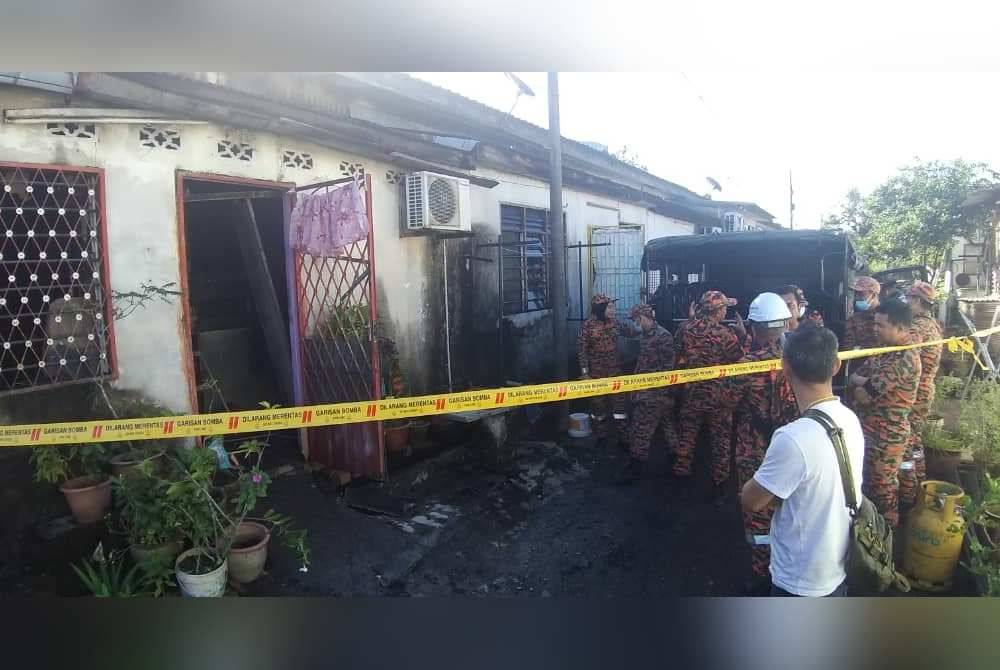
(987, 196)
(745, 207)
(392, 117)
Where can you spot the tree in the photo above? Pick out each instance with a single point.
(914, 217)
(852, 217)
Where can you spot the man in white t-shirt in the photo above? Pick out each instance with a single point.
(801, 477)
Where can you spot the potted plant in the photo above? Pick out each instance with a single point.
(419, 429)
(81, 473)
(347, 321)
(397, 434)
(985, 515)
(111, 403)
(948, 387)
(225, 541)
(982, 563)
(129, 456)
(107, 577)
(202, 569)
(339, 344)
(942, 454)
(984, 537)
(126, 462)
(392, 372)
(148, 517)
(979, 425)
(248, 552)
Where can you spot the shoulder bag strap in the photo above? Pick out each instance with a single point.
(836, 435)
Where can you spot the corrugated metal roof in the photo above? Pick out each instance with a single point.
(57, 82)
(400, 82)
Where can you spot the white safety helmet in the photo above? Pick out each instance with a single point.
(769, 310)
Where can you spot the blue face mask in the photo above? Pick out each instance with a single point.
(861, 305)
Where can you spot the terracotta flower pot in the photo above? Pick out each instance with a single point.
(248, 552)
(418, 431)
(211, 584)
(147, 554)
(88, 497)
(124, 465)
(397, 437)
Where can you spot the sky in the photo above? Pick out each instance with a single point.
(834, 131)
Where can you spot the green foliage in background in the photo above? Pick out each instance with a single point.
(979, 423)
(914, 216)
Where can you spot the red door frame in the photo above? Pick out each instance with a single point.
(184, 327)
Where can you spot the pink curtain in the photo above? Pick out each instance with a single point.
(322, 224)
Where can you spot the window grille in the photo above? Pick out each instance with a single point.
(55, 304)
(526, 260)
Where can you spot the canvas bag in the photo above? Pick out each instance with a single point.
(870, 566)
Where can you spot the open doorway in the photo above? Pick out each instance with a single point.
(233, 236)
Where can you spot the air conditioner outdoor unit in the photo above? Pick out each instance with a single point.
(437, 202)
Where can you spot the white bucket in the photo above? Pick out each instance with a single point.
(209, 585)
(579, 425)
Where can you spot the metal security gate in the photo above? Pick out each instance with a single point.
(617, 265)
(338, 351)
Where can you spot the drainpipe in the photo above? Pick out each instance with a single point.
(447, 318)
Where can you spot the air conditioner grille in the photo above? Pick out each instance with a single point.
(414, 201)
(442, 201)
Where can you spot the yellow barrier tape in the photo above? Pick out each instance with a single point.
(313, 416)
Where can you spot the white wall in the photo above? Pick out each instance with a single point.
(143, 232)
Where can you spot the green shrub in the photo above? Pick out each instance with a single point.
(979, 423)
(947, 386)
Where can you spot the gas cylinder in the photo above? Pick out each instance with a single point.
(934, 533)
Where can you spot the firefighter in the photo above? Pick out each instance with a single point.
(920, 297)
(705, 342)
(694, 312)
(650, 408)
(884, 395)
(597, 350)
(859, 331)
(761, 404)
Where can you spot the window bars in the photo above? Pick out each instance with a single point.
(54, 294)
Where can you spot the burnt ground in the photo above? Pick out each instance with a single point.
(553, 523)
(549, 521)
